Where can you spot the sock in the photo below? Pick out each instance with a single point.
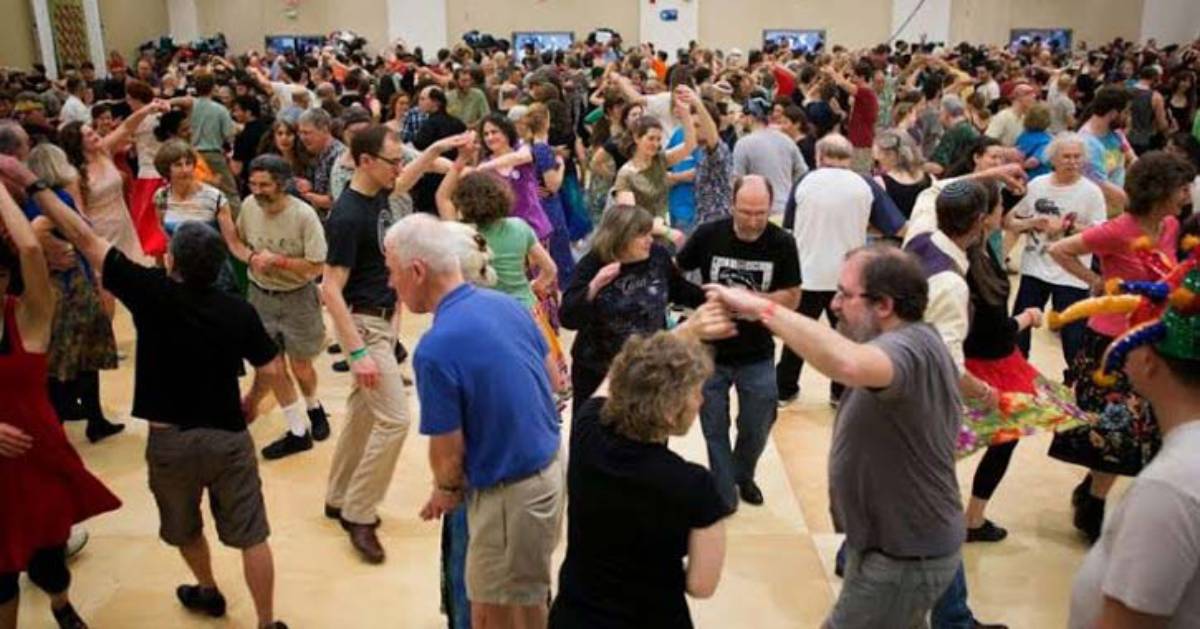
(296, 419)
(312, 402)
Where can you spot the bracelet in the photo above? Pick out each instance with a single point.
(764, 315)
(358, 355)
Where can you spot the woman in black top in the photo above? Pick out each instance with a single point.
(992, 355)
(620, 288)
(637, 508)
(901, 172)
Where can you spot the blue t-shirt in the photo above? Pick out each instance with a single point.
(681, 200)
(1105, 158)
(481, 368)
(1034, 144)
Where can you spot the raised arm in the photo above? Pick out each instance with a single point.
(111, 142)
(36, 308)
(431, 159)
(87, 242)
(684, 112)
(512, 159)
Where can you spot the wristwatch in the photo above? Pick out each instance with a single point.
(36, 187)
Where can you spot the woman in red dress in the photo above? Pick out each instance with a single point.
(44, 487)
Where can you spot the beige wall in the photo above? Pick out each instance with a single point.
(739, 23)
(1094, 21)
(246, 22)
(502, 17)
(128, 24)
(18, 39)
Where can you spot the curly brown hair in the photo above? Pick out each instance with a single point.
(482, 198)
(650, 382)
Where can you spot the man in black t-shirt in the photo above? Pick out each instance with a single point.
(361, 304)
(744, 250)
(437, 125)
(192, 339)
(247, 111)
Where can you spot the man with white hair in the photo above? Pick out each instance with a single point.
(483, 378)
(956, 141)
(828, 212)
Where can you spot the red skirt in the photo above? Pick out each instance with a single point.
(145, 216)
(1011, 374)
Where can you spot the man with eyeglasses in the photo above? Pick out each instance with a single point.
(361, 305)
(829, 211)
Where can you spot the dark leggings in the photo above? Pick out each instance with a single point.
(991, 469)
(78, 398)
(47, 569)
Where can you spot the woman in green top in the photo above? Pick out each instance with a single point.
(645, 174)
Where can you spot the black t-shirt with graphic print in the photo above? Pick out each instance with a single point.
(767, 264)
(354, 231)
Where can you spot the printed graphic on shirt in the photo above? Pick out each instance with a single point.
(755, 275)
(383, 222)
(1037, 242)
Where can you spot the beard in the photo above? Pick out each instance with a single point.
(265, 199)
(862, 331)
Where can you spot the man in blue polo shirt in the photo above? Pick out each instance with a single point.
(483, 379)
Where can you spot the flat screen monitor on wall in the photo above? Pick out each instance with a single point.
(807, 40)
(299, 44)
(1057, 38)
(541, 41)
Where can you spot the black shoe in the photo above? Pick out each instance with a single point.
(1089, 517)
(786, 400)
(1081, 491)
(333, 513)
(203, 600)
(68, 618)
(401, 352)
(278, 624)
(750, 492)
(975, 624)
(101, 429)
(341, 366)
(287, 445)
(988, 532)
(319, 422)
(335, 349)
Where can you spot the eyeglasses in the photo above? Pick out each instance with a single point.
(390, 161)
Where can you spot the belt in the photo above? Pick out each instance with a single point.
(267, 291)
(373, 311)
(908, 558)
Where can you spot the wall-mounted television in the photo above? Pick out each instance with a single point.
(541, 41)
(805, 40)
(1059, 39)
(299, 44)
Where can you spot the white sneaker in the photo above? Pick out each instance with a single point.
(77, 540)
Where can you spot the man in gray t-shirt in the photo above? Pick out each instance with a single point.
(768, 152)
(891, 468)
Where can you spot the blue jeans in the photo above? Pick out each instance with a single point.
(951, 610)
(757, 406)
(1033, 293)
(455, 605)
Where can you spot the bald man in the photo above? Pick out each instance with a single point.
(748, 251)
(1007, 125)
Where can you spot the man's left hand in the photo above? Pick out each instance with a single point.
(440, 503)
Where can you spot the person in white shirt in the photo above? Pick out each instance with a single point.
(1056, 205)
(1145, 569)
(1007, 125)
(75, 109)
(829, 212)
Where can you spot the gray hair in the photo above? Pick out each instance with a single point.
(273, 165)
(11, 137)
(953, 105)
(50, 164)
(317, 118)
(834, 146)
(474, 254)
(423, 237)
(1062, 141)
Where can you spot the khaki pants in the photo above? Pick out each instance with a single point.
(376, 425)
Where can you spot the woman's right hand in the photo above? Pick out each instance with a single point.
(603, 278)
(13, 441)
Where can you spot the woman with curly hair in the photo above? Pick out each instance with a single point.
(284, 141)
(1124, 436)
(637, 509)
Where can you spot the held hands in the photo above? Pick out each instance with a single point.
(460, 141)
(738, 302)
(13, 441)
(1030, 318)
(711, 322)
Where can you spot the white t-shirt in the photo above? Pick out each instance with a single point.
(1083, 199)
(1196, 194)
(147, 147)
(1148, 556)
(833, 208)
(659, 106)
(74, 110)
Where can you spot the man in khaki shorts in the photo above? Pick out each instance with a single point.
(483, 377)
(282, 240)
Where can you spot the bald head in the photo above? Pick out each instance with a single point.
(752, 199)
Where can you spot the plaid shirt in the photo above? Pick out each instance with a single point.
(412, 123)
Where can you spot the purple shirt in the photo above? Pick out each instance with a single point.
(527, 205)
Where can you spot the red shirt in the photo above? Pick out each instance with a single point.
(785, 83)
(863, 115)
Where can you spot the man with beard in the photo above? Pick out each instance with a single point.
(281, 239)
(361, 305)
(892, 486)
(1107, 150)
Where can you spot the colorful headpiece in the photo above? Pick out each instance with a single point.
(1163, 313)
